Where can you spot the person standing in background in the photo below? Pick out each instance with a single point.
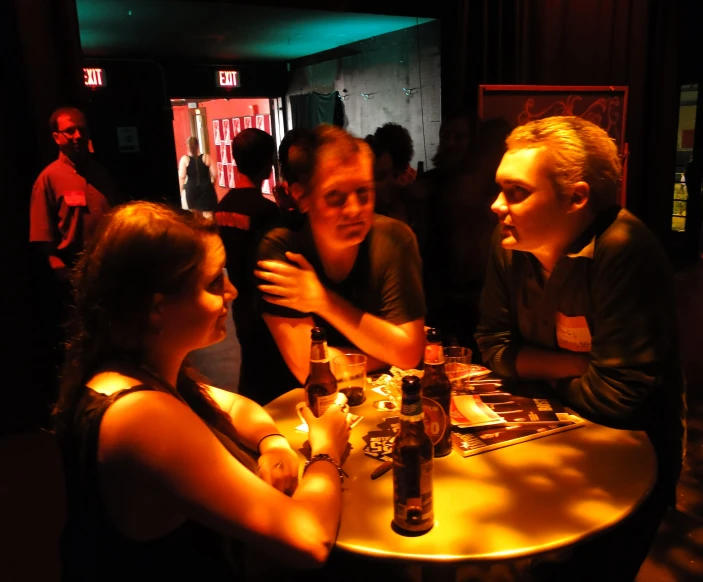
(68, 199)
(290, 190)
(196, 175)
(243, 216)
(70, 195)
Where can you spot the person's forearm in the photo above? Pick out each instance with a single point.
(321, 494)
(380, 339)
(542, 364)
(253, 423)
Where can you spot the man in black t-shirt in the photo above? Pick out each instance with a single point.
(357, 274)
(243, 216)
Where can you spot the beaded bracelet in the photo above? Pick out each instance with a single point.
(324, 457)
(258, 446)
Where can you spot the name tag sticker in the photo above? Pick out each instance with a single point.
(74, 198)
(573, 333)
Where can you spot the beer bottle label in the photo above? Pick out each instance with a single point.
(411, 411)
(436, 420)
(413, 505)
(324, 402)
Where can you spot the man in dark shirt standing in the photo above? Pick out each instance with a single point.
(244, 215)
(70, 195)
(69, 198)
(579, 294)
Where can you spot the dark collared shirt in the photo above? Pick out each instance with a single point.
(611, 296)
(67, 203)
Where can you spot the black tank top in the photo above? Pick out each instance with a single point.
(93, 549)
(200, 193)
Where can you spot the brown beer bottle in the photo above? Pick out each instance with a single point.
(321, 385)
(412, 465)
(436, 395)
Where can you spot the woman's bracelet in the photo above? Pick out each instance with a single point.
(324, 457)
(258, 446)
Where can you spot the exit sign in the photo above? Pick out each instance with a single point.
(94, 78)
(227, 78)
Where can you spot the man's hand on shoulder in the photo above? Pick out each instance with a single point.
(292, 285)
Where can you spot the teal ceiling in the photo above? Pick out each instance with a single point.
(221, 30)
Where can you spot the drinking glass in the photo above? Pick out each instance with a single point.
(350, 372)
(457, 364)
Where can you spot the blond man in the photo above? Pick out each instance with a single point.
(579, 294)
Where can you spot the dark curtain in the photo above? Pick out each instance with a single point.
(41, 70)
(579, 42)
(311, 109)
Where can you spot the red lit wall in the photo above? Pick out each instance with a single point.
(214, 109)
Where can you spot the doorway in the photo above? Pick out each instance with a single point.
(216, 122)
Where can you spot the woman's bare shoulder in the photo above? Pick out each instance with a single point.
(110, 382)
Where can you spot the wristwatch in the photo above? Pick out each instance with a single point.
(324, 457)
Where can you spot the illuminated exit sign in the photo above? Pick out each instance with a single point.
(94, 78)
(227, 78)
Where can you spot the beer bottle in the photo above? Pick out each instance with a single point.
(412, 465)
(436, 395)
(321, 385)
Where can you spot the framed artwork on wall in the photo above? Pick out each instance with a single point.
(605, 106)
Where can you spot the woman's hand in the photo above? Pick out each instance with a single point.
(291, 286)
(329, 434)
(278, 466)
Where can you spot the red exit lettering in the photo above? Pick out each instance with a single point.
(228, 78)
(94, 77)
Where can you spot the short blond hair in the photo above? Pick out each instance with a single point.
(577, 150)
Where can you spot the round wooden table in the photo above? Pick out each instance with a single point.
(518, 501)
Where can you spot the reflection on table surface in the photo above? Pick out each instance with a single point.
(512, 502)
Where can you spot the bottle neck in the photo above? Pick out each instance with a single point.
(434, 354)
(319, 354)
(411, 410)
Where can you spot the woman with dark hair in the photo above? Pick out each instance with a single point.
(162, 469)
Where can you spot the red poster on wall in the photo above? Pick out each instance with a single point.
(247, 122)
(237, 126)
(216, 130)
